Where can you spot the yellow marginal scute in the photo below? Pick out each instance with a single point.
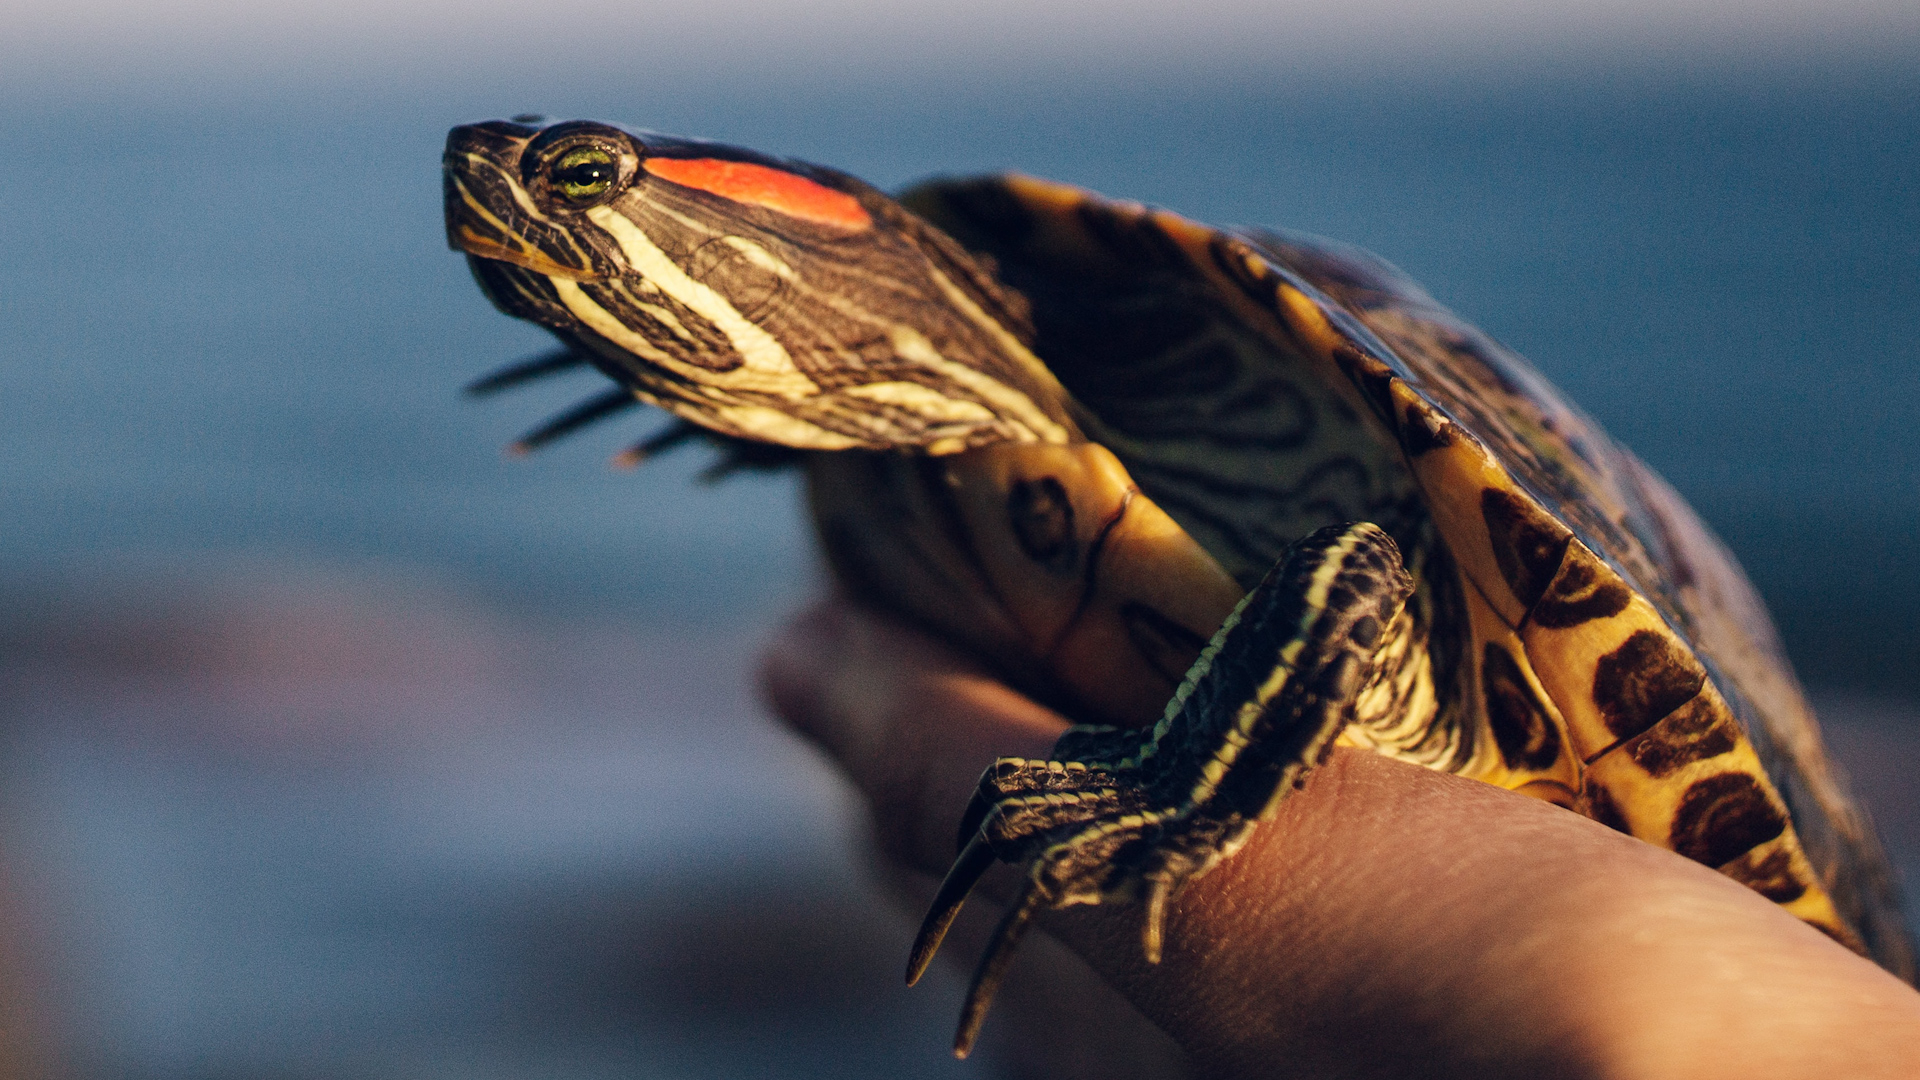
(1561, 781)
(1645, 781)
(1454, 476)
(1306, 319)
(1594, 671)
(1569, 661)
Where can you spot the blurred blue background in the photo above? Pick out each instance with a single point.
(340, 746)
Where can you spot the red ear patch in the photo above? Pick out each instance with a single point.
(759, 185)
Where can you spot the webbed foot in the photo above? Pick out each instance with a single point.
(1136, 815)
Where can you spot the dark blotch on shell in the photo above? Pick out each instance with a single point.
(1244, 268)
(1417, 438)
(1696, 731)
(1723, 817)
(1771, 876)
(1127, 234)
(1639, 683)
(1374, 378)
(1600, 807)
(1581, 592)
(1521, 727)
(1527, 544)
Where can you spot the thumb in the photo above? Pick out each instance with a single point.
(910, 721)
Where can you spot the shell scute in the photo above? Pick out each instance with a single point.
(1772, 871)
(1702, 728)
(1643, 681)
(1529, 547)
(1643, 538)
(1600, 606)
(1582, 590)
(1524, 727)
(1522, 718)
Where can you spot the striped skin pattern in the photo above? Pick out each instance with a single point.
(749, 321)
(1118, 817)
(1560, 625)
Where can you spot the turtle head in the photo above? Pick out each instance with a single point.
(758, 297)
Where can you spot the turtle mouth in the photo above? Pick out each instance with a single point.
(490, 214)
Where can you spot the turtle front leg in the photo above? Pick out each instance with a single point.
(1135, 815)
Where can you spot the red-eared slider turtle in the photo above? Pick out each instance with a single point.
(1227, 497)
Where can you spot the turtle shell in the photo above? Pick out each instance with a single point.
(1604, 597)
(1121, 418)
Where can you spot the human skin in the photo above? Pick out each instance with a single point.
(1389, 921)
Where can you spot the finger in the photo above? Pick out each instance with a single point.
(912, 722)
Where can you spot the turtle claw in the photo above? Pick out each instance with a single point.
(978, 807)
(667, 438)
(547, 363)
(600, 406)
(1009, 809)
(973, 861)
(1153, 928)
(993, 966)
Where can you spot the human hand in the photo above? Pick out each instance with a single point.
(1390, 921)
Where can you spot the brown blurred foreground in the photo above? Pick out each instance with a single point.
(311, 829)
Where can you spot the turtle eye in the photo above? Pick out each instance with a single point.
(583, 174)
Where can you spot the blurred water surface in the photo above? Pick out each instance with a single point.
(231, 327)
(231, 338)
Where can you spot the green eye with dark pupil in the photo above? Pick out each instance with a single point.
(584, 172)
